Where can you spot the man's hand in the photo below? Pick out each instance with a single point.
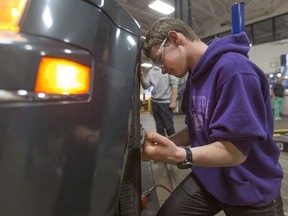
(172, 105)
(160, 148)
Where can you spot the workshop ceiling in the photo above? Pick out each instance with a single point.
(209, 17)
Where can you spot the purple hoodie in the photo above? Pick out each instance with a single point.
(227, 98)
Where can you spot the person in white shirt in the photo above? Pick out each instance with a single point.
(163, 98)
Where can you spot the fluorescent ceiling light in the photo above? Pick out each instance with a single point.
(148, 65)
(161, 7)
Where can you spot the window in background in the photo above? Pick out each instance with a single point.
(281, 27)
(248, 30)
(263, 32)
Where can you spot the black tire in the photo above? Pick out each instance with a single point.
(131, 190)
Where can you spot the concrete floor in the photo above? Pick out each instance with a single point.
(169, 176)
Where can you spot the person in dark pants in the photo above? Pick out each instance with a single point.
(228, 138)
(163, 98)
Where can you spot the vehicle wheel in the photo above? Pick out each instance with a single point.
(130, 197)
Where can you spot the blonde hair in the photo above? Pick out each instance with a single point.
(160, 30)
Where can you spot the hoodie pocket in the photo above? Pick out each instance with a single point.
(240, 190)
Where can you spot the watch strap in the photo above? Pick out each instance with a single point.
(188, 162)
(189, 156)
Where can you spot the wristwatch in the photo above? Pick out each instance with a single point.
(188, 162)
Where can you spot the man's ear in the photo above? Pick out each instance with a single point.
(173, 37)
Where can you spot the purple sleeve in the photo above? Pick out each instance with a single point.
(240, 114)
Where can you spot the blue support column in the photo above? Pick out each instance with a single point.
(238, 20)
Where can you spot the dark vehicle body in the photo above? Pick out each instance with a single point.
(71, 154)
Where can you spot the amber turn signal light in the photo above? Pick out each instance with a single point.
(61, 76)
(11, 13)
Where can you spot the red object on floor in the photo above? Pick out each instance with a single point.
(144, 202)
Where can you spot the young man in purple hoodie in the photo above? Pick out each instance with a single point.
(228, 141)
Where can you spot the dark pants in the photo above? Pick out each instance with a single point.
(190, 198)
(163, 117)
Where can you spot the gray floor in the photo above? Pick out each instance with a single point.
(168, 176)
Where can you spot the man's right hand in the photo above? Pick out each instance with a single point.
(160, 148)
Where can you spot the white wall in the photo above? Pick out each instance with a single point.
(267, 56)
